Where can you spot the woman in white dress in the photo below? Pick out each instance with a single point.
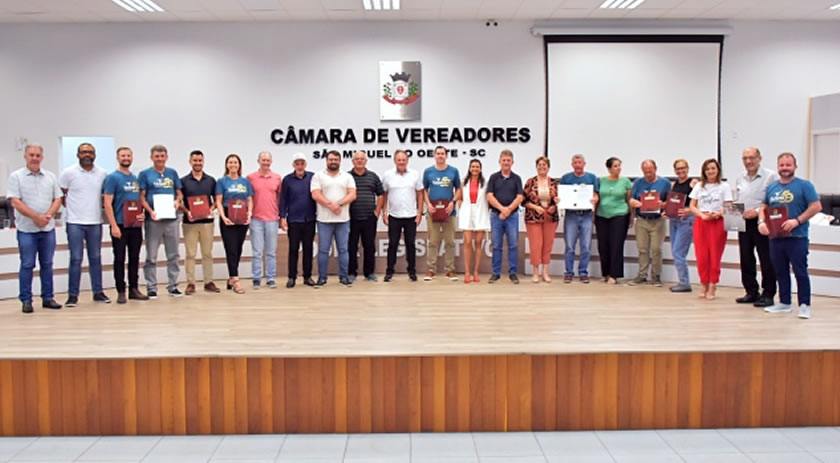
(473, 219)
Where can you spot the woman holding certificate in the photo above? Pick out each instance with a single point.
(708, 199)
(541, 218)
(235, 203)
(681, 221)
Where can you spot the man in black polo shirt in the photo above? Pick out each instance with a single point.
(364, 213)
(198, 189)
(505, 194)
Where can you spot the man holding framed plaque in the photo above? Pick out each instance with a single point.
(648, 198)
(121, 198)
(794, 201)
(577, 221)
(160, 194)
(442, 186)
(198, 190)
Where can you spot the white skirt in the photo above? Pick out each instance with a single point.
(475, 219)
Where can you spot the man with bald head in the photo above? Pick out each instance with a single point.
(750, 189)
(650, 225)
(364, 213)
(265, 222)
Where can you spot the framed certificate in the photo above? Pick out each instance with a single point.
(164, 206)
(575, 197)
(733, 217)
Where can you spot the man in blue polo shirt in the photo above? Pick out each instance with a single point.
(122, 185)
(577, 223)
(164, 182)
(802, 202)
(505, 194)
(650, 225)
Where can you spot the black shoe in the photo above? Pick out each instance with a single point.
(50, 304)
(309, 282)
(291, 283)
(763, 301)
(152, 294)
(412, 276)
(175, 293)
(388, 277)
(321, 282)
(346, 282)
(101, 298)
(134, 293)
(514, 279)
(747, 299)
(121, 299)
(72, 301)
(27, 307)
(493, 278)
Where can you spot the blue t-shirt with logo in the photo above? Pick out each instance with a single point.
(233, 189)
(124, 188)
(441, 184)
(641, 185)
(796, 196)
(155, 183)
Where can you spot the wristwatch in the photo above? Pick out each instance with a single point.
(760, 221)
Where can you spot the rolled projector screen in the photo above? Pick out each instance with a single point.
(634, 101)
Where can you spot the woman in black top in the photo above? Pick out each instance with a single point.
(681, 227)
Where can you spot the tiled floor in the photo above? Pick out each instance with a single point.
(783, 445)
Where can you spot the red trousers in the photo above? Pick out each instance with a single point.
(709, 241)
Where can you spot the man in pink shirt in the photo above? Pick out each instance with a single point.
(265, 221)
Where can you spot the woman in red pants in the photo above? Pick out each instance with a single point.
(708, 199)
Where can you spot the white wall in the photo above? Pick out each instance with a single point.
(223, 87)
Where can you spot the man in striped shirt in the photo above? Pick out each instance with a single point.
(364, 214)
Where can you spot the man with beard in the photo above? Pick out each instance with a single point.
(82, 187)
(198, 187)
(121, 187)
(800, 199)
(333, 190)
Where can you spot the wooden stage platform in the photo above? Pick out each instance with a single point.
(400, 357)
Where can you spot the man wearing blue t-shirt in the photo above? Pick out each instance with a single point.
(800, 199)
(650, 225)
(163, 183)
(122, 185)
(442, 186)
(577, 223)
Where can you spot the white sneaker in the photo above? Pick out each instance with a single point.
(804, 311)
(778, 308)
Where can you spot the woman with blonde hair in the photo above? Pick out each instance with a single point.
(541, 218)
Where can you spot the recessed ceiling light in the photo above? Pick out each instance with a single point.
(381, 4)
(835, 7)
(139, 6)
(621, 4)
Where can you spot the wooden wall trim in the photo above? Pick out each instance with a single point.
(418, 394)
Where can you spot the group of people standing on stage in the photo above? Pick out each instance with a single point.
(346, 206)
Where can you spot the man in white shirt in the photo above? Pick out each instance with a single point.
(750, 189)
(82, 187)
(333, 191)
(404, 205)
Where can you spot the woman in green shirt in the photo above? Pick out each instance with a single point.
(612, 219)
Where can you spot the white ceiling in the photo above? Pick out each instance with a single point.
(27, 11)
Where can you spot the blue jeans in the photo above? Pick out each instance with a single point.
(326, 231)
(786, 253)
(264, 243)
(578, 227)
(681, 235)
(30, 244)
(78, 237)
(499, 229)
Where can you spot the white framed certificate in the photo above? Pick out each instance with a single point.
(164, 206)
(575, 197)
(733, 217)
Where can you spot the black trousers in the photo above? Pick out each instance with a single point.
(366, 230)
(301, 233)
(131, 240)
(233, 236)
(748, 242)
(407, 228)
(611, 235)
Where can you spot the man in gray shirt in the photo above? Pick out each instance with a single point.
(36, 197)
(750, 189)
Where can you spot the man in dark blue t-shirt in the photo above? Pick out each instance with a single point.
(800, 199)
(577, 223)
(505, 194)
